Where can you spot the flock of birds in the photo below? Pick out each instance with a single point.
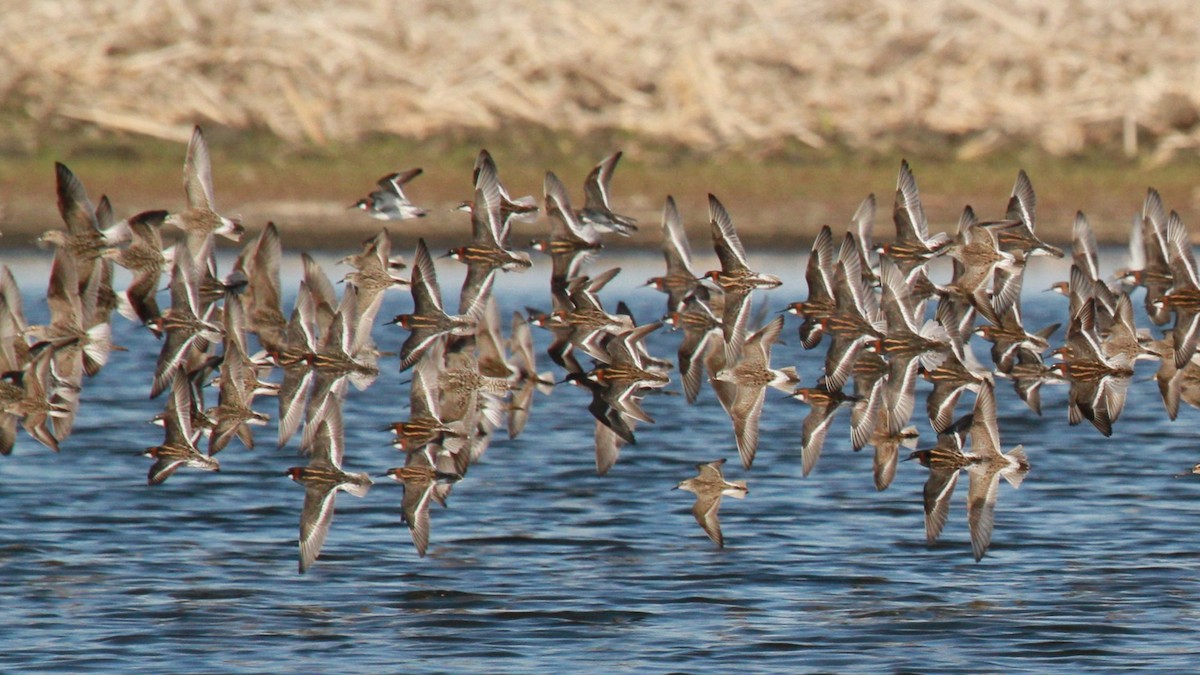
(872, 302)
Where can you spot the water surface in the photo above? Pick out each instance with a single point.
(538, 564)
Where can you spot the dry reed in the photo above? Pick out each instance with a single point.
(749, 74)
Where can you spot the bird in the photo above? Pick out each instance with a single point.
(572, 241)
(179, 447)
(528, 379)
(372, 278)
(424, 424)
(735, 278)
(145, 259)
(680, 281)
(1150, 265)
(389, 201)
(239, 381)
(1015, 233)
(709, 486)
(428, 321)
(825, 403)
(489, 243)
(907, 345)
(1183, 299)
(322, 478)
(986, 469)
(819, 275)
(856, 319)
(984, 464)
(423, 484)
(913, 246)
(751, 375)
(186, 324)
(200, 219)
(701, 333)
(522, 209)
(597, 210)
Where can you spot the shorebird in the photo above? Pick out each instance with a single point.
(185, 324)
(701, 332)
(572, 241)
(200, 219)
(856, 319)
(372, 277)
(389, 201)
(1150, 265)
(522, 209)
(424, 424)
(1183, 300)
(887, 450)
(1015, 233)
(819, 275)
(1176, 385)
(913, 245)
(680, 281)
(77, 349)
(1098, 382)
(239, 381)
(597, 210)
(27, 394)
(862, 224)
(179, 448)
(709, 486)
(428, 321)
(751, 375)
(489, 243)
(528, 379)
(735, 278)
(144, 258)
(322, 478)
(90, 231)
(1009, 337)
(958, 372)
(985, 465)
(258, 264)
(978, 254)
(488, 250)
(627, 372)
(423, 484)
(1085, 255)
(825, 403)
(590, 324)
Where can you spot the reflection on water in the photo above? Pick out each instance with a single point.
(538, 561)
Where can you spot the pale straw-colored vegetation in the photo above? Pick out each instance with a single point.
(981, 74)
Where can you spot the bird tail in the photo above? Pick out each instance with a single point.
(1014, 477)
(99, 346)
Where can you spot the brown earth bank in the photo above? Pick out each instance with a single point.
(774, 197)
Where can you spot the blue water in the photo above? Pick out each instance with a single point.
(540, 565)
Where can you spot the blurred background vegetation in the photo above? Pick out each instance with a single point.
(790, 111)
